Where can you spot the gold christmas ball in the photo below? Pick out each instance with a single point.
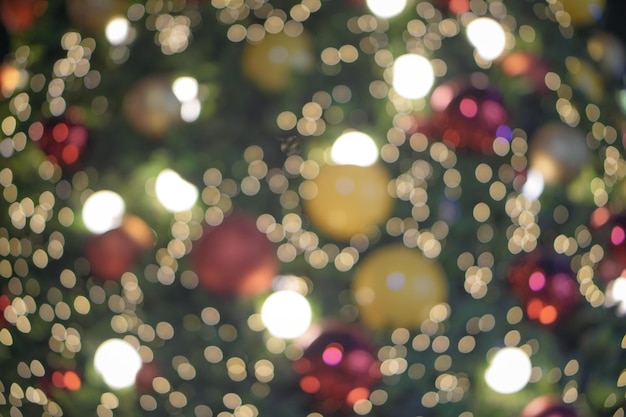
(151, 106)
(350, 199)
(396, 286)
(559, 152)
(584, 12)
(271, 62)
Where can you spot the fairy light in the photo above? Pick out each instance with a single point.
(509, 371)
(175, 193)
(413, 76)
(354, 148)
(286, 314)
(103, 211)
(117, 31)
(487, 36)
(118, 362)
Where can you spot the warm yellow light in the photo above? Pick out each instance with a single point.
(354, 148)
(103, 211)
(509, 371)
(175, 193)
(117, 31)
(487, 36)
(286, 314)
(386, 8)
(118, 362)
(413, 76)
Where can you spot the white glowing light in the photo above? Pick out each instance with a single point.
(118, 362)
(175, 193)
(509, 371)
(487, 36)
(190, 110)
(185, 89)
(103, 211)
(533, 188)
(118, 31)
(286, 314)
(413, 76)
(354, 148)
(616, 295)
(386, 8)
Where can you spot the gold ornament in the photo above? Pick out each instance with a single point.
(584, 12)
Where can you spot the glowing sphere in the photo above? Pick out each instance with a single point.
(286, 314)
(533, 188)
(509, 371)
(103, 211)
(386, 8)
(354, 148)
(487, 36)
(395, 286)
(117, 31)
(118, 362)
(175, 193)
(413, 76)
(185, 88)
(616, 295)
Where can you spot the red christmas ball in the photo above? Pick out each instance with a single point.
(111, 254)
(548, 406)
(338, 368)
(234, 258)
(467, 114)
(62, 140)
(19, 15)
(546, 286)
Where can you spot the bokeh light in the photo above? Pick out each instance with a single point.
(616, 295)
(118, 362)
(175, 193)
(103, 211)
(509, 371)
(286, 314)
(413, 76)
(487, 36)
(118, 31)
(386, 8)
(185, 88)
(354, 148)
(534, 185)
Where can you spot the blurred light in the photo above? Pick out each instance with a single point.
(118, 362)
(413, 76)
(175, 193)
(616, 295)
(286, 314)
(354, 148)
(534, 185)
(117, 31)
(332, 355)
(509, 371)
(190, 110)
(386, 8)
(185, 88)
(487, 36)
(103, 211)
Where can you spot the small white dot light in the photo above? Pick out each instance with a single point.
(286, 314)
(509, 371)
(413, 76)
(103, 211)
(185, 88)
(354, 148)
(487, 36)
(117, 31)
(386, 8)
(118, 362)
(175, 193)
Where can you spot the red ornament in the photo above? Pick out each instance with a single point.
(338, 368)
(63, 141)
(611, 229)
(546, 286)
(111, 254)
(467, 114)
(19, 15)
(548, 406)
(234, 258)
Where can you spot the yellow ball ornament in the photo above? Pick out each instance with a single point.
(271, 62)
(584, 12)
(396, 286)
(349, 199)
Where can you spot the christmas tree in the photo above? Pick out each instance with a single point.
(317, 208)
